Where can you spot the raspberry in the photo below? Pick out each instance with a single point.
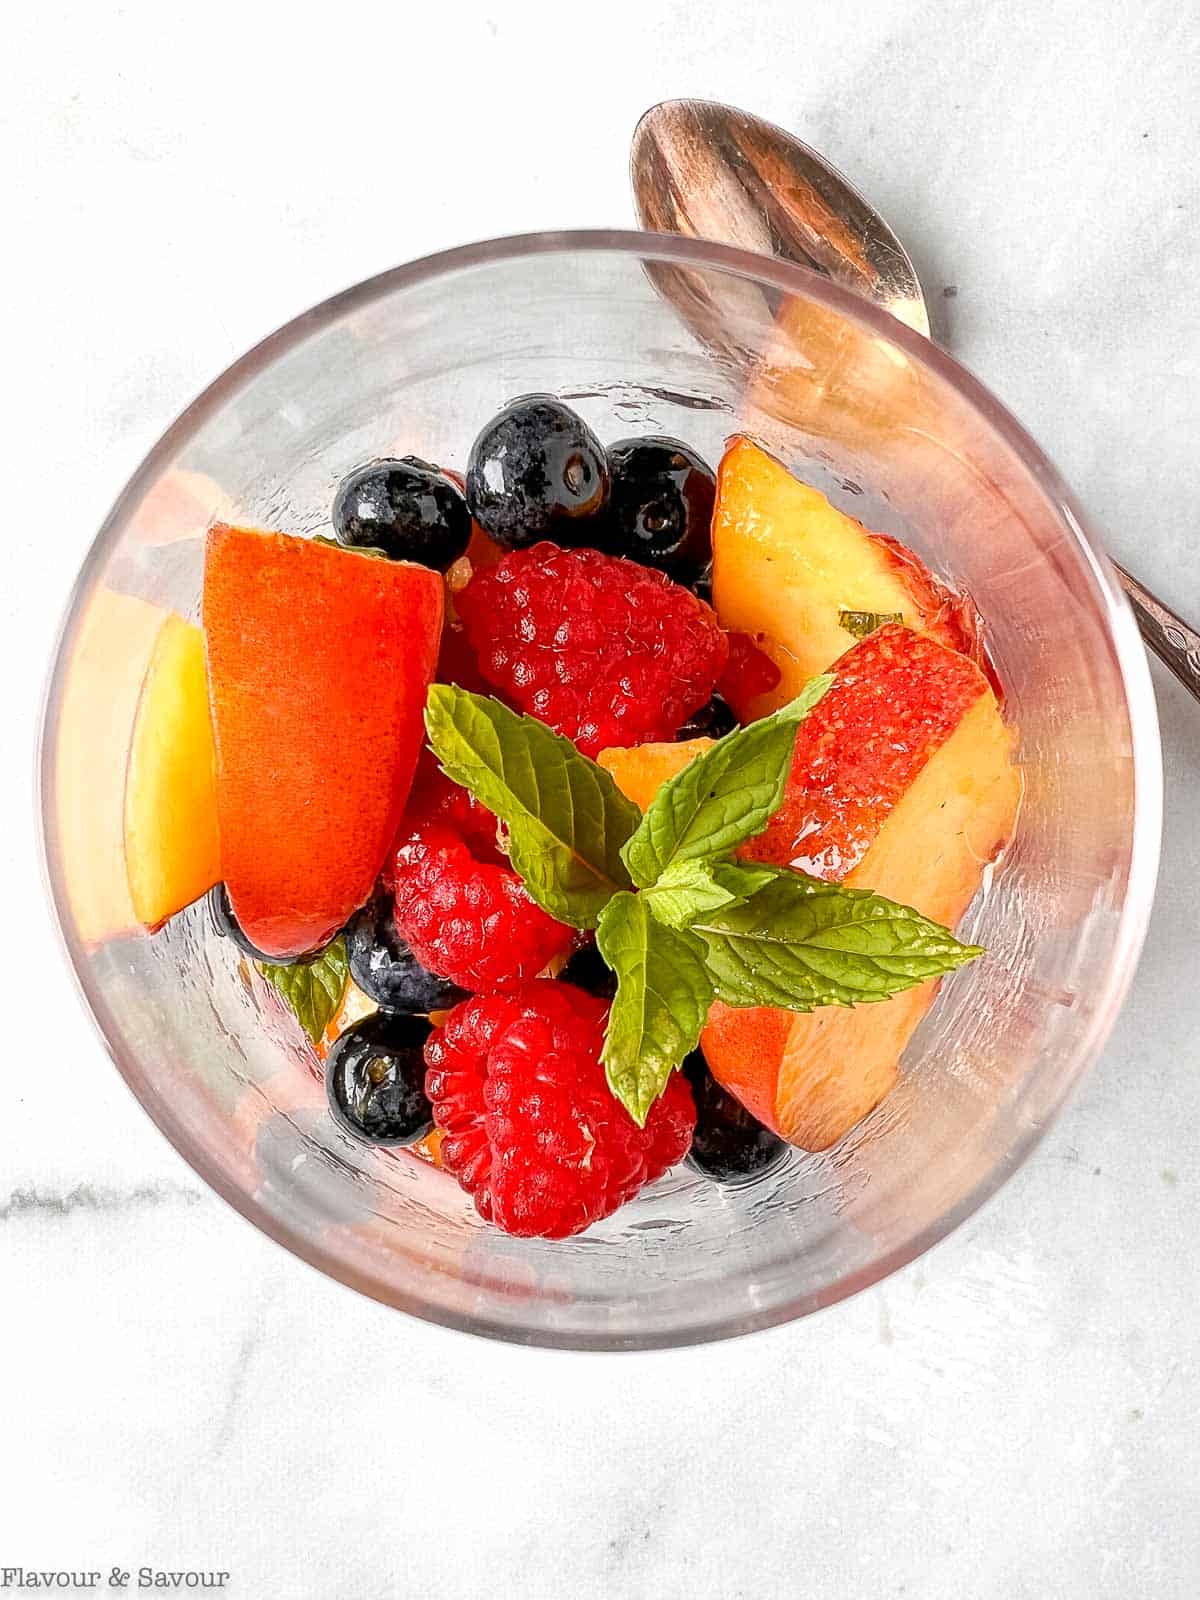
(604, 650)
(464, 913)
(531, 1129)
(436, 798)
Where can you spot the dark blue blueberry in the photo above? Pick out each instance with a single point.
(383, 966)
(587, 970)
(537, 471)
(375, 1079)
(729, 1145)
(660, 510)
(408, 509)
(712, 721)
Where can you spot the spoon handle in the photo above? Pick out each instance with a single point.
(1174, 643)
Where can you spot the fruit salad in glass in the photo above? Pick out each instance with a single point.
(593, 811)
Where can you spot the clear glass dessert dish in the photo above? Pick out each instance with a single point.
(639, 333)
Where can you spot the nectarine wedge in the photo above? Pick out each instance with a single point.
(931, 852)
(319, 660)
(902, 782)
(786, 564)
(172, 847)
(105, 672)
(896, 698)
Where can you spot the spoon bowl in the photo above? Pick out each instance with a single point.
(710, 171)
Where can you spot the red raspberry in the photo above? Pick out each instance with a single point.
(604, 650)
(531, 1129)
(436, 798)
(462, 909)
(457, 663)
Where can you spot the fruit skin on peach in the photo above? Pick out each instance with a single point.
(897, 696)
(786, 563)
(319, 660)
(172, 847)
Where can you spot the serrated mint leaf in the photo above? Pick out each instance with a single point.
(565, 816)
(312, 989)
(863, 623)
(663, 995)
(801, 943)
(723, 796)
(741, 879)
(685, 891)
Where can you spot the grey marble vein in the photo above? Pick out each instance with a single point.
(31, 1201)
(243, 1358)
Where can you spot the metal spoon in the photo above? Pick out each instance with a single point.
(710, 171)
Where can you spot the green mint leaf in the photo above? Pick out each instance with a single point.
(862, 623)
(801, 943)
(723, 796)
(312, 989)
(566, 818)
(741, 879)
(663, 995)
(685, 891)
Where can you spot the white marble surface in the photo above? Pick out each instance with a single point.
(1018, 1414)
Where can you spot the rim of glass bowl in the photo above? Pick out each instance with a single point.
(1131, 659)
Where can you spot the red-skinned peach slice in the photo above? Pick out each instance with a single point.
(895, 699)
(902, 782)
(319, 660)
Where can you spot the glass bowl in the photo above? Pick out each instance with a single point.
(642, 334)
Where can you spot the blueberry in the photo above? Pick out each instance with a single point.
(660, 511)
(587, 970)
(537, 471)
(702, 588)
(228, 927)
(729, 1145)
(712, 721)
(383, 966)
(407, 509)
(375, 1079)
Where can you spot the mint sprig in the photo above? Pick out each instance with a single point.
(663, 995)
(800, 943)
(314, 989)
(566, 818)
(704, 925)
(685, 891)
(722, 797)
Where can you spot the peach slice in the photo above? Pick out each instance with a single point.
(319, 660)
(640, 770)
(897, 696)
(902, 782)
(819, 1076)
(786, 563)
(172, 848)
(106, 669)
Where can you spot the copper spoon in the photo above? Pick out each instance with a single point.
(709, 171)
